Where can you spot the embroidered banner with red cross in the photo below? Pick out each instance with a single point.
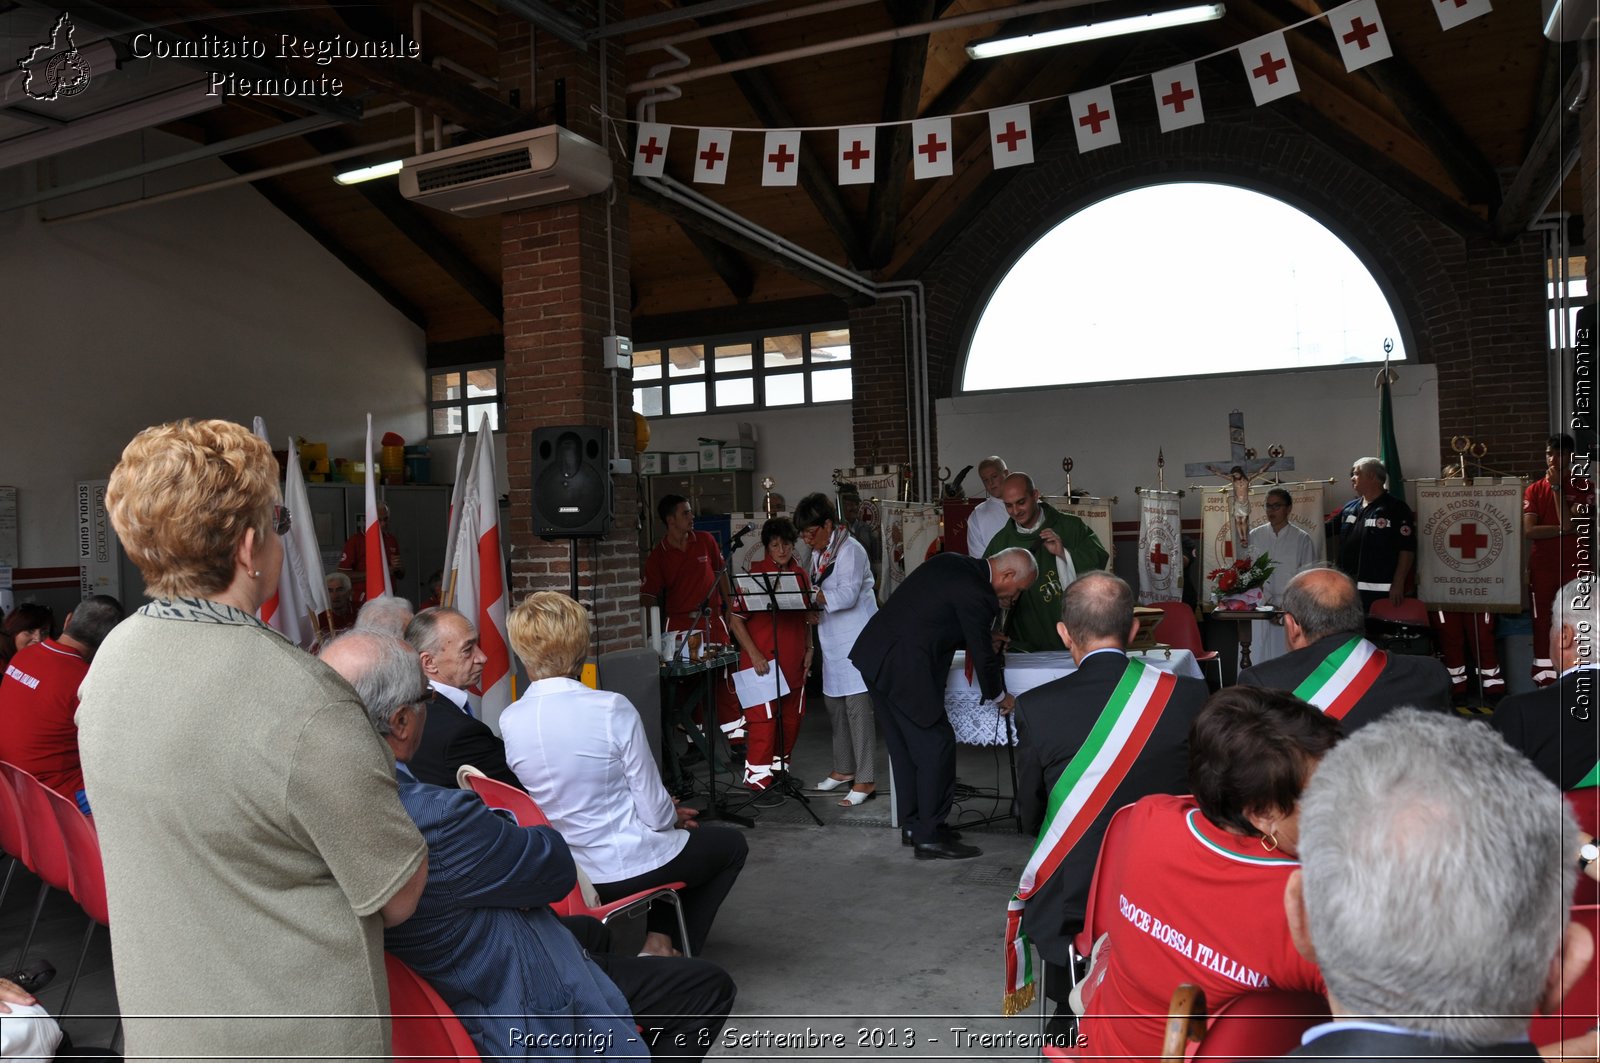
(1469, 545)
(1160, 547)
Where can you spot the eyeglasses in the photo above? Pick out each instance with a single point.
(1276, 505)
(282, 521)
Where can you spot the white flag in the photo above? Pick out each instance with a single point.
(650, 153)
(286, 610)
(447, 593)
(780, 159)
(378, 584)
(932, 154)
(1178, 97)
(1094, 119)
(858, 154)
(307, 552)
(1267, 65)
(480, 576)
(1160, 549)
(1011, 136)
(1360, 33)
(1453, 13)
(711, 157)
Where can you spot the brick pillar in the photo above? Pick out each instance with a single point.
(880, 414)
(556, 314)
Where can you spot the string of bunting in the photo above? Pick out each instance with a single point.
(1357, 27)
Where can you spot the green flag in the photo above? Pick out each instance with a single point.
(1388, 451)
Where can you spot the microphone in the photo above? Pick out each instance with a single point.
(738, 536)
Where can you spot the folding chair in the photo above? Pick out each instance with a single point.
(45, 851)
(86, 875)
(423, 1029)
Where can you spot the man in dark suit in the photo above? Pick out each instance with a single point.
(447, 644)
(1555, 725)
(1053, 723)
(1396, 818)
(904, 655)
(1323, 623)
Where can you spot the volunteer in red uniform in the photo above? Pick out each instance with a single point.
(765, 636)
(1199, 881)
(1556, 511)
(353, 558)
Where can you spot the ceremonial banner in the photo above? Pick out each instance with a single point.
(650, 154)
(956, 513)
(1216, 534)
(1267, 65)
(930, 142)
(1178, 97)
(1469, 545)
(1160, 548)
(1011, 136)
(1097, 515)
(780, 159)
(910, 533)
(711, 156)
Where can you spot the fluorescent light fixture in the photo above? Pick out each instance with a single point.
(369, 173)
(1092, 31)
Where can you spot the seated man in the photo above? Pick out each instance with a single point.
(483, 934)
(1062, 546)
(1056, 721)
(447, 644)
(1556, 725)
(1331, 664)
(1394, 821)
(39, 698)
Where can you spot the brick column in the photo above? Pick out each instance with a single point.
(556, 314)
(880, 414)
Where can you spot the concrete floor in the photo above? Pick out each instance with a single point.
(837, 938)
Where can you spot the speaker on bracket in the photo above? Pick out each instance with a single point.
(571, 482)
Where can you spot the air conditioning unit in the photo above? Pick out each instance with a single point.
(531, 169)
(1569, 20)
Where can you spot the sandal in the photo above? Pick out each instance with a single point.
(830, 783)
(855, 797)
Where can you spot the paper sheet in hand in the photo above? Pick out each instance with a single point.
(755, 689)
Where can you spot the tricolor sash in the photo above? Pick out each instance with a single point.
(1591, 779)
(1079, 796)
(1343, 678)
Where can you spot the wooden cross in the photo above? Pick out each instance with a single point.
(1241, 456)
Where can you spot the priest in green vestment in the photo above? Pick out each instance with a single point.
(1063, 546)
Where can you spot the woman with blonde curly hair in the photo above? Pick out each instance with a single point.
(254, 844)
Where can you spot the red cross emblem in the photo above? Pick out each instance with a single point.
(1159, 558)
(650, 149)
(713, 155)
(856, 155)
(1469, 540)
(1011, 136)
(932, 147)
(1269, 68)
(1178, 97)
(1359, 33)
(781, 157)
(1094, 117)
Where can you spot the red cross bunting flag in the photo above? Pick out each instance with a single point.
(1453, 13)
(650, 153)
(1469, 545)
(858, 154)
(1094, 119)
(1011, 136)
(931, 151)
(1160, 547)
(780, 158)
(711, 157)
(1267, 65)
(1360, 33)
(1177, 97)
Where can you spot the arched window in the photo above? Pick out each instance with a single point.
(1175, 280)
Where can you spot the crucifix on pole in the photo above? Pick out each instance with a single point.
(1241, 470)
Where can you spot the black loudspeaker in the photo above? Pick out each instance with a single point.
(571, 482)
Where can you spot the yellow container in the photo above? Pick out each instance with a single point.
(392, 461)
(355, 472)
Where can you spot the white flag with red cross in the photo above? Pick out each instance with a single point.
(1268, 68)
(378, 584)
(1360, 33)
(780, 159)
(480, 575)
(1160, 547)
(1178, 97)
(650, 153)
(858, 150)
(1453, 13)
(1011, 136)
(1094, 119)
(931, 152)
(711, 156)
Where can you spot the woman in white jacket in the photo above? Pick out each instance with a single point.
(842, 577)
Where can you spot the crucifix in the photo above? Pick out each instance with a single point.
(1240, 470)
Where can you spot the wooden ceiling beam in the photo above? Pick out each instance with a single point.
(1555, 148)
(735, 272)
(901, 93)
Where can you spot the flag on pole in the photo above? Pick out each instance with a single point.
(291, 610)
(1267, 65)
(1160, 547)
(857, 147)
(650, 153)
(930, 141)
(447, 586)
(479, 536)
(1388, 451)
(780, 159)
(1094, 118)
(1358, 29)
(1178, 97)
(1011, 136)
(377, 562)
(300, 546)
(711, 157)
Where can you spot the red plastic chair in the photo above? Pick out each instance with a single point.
(1580, 1008)
(13, 838)
(46, 852)
(1410, 612)
(423, 1029)
(1261, 1025)
(87, 875)
(497, 794)
(1585, 806)
(1180, 630)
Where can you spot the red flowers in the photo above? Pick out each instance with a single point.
(1228, 580)
(1242, 565)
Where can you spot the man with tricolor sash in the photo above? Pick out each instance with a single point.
(1334, 667)
(1099, 738)
(1555, 725)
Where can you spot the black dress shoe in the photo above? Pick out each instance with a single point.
(947, 833)
(946, 850)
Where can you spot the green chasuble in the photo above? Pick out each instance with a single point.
(1032, 624)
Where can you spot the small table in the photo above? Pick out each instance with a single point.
(700, 695)
(1240, 616)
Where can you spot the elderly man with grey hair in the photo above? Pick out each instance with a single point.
(1377, 535)
(1331, 663)
(1436, 869)
(1555, 725)
(387, 616)
(447, 644)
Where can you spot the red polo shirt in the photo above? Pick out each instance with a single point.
(38, 703)
(678, 580)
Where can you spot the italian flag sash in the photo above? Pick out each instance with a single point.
(1079, 796)
(1343, 678)
(1591, 779)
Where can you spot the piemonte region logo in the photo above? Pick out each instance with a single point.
(55, 70)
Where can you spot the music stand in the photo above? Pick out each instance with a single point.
(775, 593)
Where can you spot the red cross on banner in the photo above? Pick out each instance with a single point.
(1011, 136)
(711, 157)
(780, 157)
(1267, 65)
(1159, 558)
(1177, 97)
(1453, 13)
(1360, 33)
(932, 155)
(650, 153)
(1468, 541)
(858, 154)
(1094, 119)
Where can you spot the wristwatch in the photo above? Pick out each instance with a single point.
(1588, 854)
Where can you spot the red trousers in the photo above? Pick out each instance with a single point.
(765, 755)
(1463, 633)
(1544, 586)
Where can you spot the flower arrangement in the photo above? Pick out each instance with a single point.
(1238, 586)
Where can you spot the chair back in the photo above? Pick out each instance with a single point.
(423, 1028)
(1101, 909)
(497, 794)
(1179, 629)
(87, 873)
(47, 851)
(1580, 1008)
(1261, 1025)
(1585, 805)
(1410, 612)
(13, 836)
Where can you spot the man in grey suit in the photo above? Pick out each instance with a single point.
(1397, 819)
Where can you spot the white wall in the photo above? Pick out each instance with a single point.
(210, 306)
(1324, 419)
(798, 448)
